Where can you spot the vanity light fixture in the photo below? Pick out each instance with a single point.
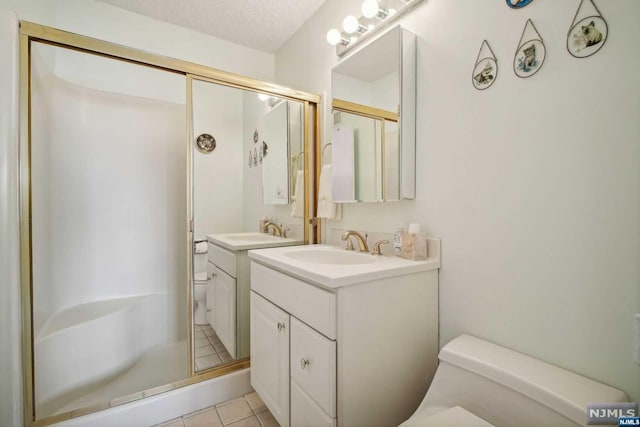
(376, 15)
(351, 25)
(334, 37)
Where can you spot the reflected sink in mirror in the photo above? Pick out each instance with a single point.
(331, 256)
(251, 240)
(252, 237)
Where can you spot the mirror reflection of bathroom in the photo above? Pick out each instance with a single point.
(255, 175)
(367, 158)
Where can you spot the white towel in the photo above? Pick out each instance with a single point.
(326, 207)
(297, 199)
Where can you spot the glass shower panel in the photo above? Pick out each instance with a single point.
(109, 215)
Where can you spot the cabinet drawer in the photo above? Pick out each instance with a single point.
(314, 306)
(305, 412)
(313, 365)
(223, 259)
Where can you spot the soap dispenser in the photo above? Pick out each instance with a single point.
(414, 243)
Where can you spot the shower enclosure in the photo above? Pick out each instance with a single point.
(108, 208)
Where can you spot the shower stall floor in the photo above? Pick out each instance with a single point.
(162, 365)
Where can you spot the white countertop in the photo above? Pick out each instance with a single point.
(250, 240)
(336, 275)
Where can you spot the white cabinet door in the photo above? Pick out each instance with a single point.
(224, 310)
(211, 271)
(305, 412)
(313, 365)
(270, 356)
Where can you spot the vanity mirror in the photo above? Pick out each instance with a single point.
(374, 108)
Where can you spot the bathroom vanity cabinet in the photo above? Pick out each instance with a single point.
(229, 282)
(228, 268)
(326, 353)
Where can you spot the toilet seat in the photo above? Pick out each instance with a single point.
(452, 417)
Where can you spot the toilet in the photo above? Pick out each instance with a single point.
(200, 298)
(200, 251)
(478, 383)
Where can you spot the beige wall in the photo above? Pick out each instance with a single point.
(533, 185)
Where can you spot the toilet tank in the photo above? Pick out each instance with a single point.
(507, 388)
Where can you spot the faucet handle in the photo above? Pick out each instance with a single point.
(284, 232)
(376, 247)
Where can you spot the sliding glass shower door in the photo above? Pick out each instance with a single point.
(109, 229)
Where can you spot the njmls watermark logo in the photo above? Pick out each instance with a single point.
(618, 413)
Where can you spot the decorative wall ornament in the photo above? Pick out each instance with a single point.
(205, 143)
(255, 157)
(531, 52)
(588, 30)
(517, 4)
(255, 136)
(250, 159)
(485, 71)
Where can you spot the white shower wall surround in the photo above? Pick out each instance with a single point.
(108, 191)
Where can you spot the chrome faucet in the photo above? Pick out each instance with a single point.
(362, 240)
(277, 231)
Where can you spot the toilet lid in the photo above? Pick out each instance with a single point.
(201, 277)
(452, 417)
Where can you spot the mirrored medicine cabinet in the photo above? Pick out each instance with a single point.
(374, 121)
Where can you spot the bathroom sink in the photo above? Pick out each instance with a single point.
(332, 266)
(330, 256)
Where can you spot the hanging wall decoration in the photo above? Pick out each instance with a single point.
(255, 157)
(486, 67)
(517, 4)
(588, 30)
(255, 136)
(250, 159)
(531, 52)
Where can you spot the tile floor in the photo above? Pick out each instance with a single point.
(245, 411)
(209, 351)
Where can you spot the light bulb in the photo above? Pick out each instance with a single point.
(263, 96)
(350, 24)
(333, 37)
(370, 8)
(392, 12)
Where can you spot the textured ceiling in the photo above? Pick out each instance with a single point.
(259, 24)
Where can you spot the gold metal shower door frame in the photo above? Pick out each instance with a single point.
(31, 32)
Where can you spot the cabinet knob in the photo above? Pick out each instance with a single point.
(280, 326)
(304, 363)
(208, 310)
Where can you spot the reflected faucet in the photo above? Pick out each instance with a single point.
(362, 240)
(277, 231)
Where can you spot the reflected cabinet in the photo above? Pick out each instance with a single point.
(374, 121)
